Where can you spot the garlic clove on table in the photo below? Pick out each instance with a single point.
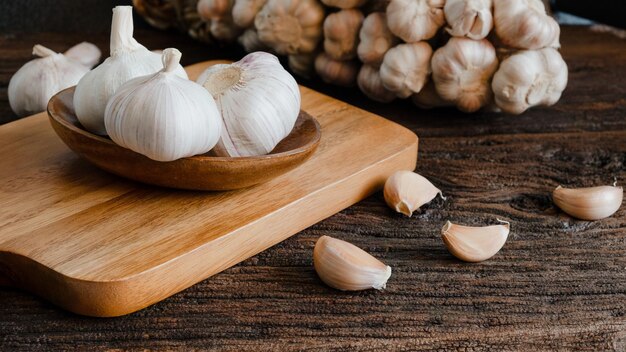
(474, 244)
(32, 86)
(128, 60)
(259, 102)
(407, 191)
(592, 203)
(163, 116)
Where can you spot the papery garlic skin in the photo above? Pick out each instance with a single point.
(524, 24)
(415, 20)
(474, 244)
(341, 34)
(85, 53)
(406, 68)
(128, 60)
(462, 72)
(244, 12)
(592, 203)
(469, 18)
(346, 267)
(163, 116)
(341, 73)
(375, 39)
(405, 192)
(372, 86)
(32, 86)
(259, 102)
(529, 78)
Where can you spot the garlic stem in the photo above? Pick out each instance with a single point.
(122, 31)
(42, 51)
(171, 59)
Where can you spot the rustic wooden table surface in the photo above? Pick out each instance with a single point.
(558, 284)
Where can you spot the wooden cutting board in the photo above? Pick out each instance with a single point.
(100, 245)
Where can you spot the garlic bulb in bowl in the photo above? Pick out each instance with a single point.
(128, 60)
(259, 102)
(163, 116)
(38, 80)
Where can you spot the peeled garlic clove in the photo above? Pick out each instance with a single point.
(415, 20)
(406, 68)
(375, 39)
(163, 116)
(406, 192)
(346, 267)
(259, 101)
(371, 84)
(469, 18)
(524, 24)
(32, 86)
(85, 53)
(593, 203)
(128, 60)
(474, 244)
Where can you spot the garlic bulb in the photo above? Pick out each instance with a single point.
(85, 53)
(128, 60)
(406, 68)
(469, 18)
(341, 73)
(474, 244)
(32, 86)
(415, 20)
(224, 29)
(244, 12)
(341, 34)
(462, 71)
(259, 102)
(289, 26)
(251, 42)
(371, 84)
(213, 9)
(302, 64)
(524, 24)
(592, 203)
(428, 98)
(406, 192)
(346, 267)
(529, 78)
(375, 39)
(344, 4)
(163, 116)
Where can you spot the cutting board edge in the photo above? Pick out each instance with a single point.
(128, 295)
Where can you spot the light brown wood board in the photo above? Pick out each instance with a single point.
(99, 245)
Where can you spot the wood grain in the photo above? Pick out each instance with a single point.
(120, 247)
(558, 284)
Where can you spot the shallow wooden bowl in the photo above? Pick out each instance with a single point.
(201, 172)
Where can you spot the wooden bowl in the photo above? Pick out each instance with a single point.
(200, 172)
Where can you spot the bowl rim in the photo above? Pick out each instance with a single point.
(52, 113)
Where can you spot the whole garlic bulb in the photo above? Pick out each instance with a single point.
(341, 73)
(529, 78)
(462, 71)
(32, 86)
(128, 60)
(469, 18)
(85, 53)
(415, 20)
(375, 39)
(163, 116)
(259, 102)
(290, 27)
(406, 68)
(524, 24)
(371, 84)
(341, 34)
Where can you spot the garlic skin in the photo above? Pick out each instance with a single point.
(474, 244)
(428, 98)
(259, 103)
(344, 4)
(469, 18)
(163, 116)
(290, 27)
(85, 53)
(346, 267)
(524, 24)
(405, 192)
(462, 71)
(371, 84)
(244, 12)
(32, 86)
(415, 20)
(375, 39)
(406, 68)
(592, 203)
(530, 78)
(341, 73)
(128, 60)
(341, 34)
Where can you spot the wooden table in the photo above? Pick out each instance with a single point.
(558, 284)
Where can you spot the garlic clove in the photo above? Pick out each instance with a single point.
(346, 267)
(593, 203)
(406, 192)
(86, 53)
(469, 18)
(474, 244)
